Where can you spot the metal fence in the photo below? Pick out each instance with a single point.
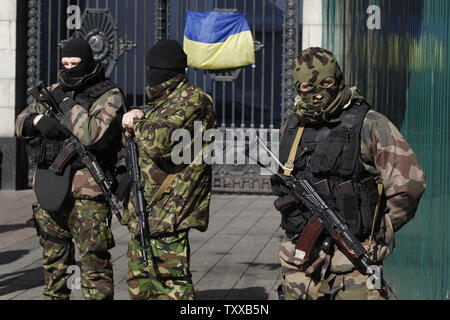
(244, 98)
(403, 70)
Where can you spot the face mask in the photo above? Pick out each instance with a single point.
(78, 48)
(317, 73)
(76, 73)
(157, 76)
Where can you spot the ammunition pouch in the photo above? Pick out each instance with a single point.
(44, 151)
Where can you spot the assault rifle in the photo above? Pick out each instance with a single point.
(320, 219)
(136, 188)
(74, 147)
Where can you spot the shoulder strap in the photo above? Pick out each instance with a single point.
(88, 97)
(162, 189)
(290, 163)
(167, 182)
(353, 120)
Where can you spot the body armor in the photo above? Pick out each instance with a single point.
(329, 157)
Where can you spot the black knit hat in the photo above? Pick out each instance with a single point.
(77, 48)
(166, 54)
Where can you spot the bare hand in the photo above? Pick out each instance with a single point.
(129, 118)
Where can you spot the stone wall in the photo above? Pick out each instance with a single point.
(8, 17)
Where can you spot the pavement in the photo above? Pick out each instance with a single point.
(235, 259)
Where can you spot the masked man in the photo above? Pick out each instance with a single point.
(71, 205)
(184, 188)
(360, 165)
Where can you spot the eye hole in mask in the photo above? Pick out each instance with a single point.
(307, 87)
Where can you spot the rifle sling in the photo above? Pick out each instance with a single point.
(290, 163)
(169, 179)
(63, 158)
(167, 182)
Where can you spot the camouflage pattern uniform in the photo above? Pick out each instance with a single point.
(84, 216)
(174, 104)
(385, 155)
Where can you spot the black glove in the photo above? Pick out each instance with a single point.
(59, 95)
(49, 127)
(28, 128)
(278, 186)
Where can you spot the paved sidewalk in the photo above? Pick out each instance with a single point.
(235, 259)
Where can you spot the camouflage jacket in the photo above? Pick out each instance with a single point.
(96, 129)
(387, 156)
(173, 105)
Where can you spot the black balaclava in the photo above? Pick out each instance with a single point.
(165, 60)
(78, 48)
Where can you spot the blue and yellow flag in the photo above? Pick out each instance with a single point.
(218, 40)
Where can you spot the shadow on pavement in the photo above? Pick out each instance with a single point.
(269, 266)
(12, 227)
(254, 293)
(21, 280)
(11, 256)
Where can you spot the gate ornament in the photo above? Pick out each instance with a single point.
(100, 30)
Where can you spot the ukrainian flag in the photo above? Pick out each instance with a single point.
(218, 40)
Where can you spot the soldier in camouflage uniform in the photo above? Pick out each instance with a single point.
(90, 103)
(173, 104)
(347, 150)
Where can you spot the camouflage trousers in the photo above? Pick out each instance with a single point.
(87, 222)
(349, 286)
(167, 275)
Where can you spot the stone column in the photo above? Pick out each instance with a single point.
(8, 146)
(312, 24)
(13, 66)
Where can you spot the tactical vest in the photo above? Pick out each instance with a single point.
(90, 95)
(329, 156)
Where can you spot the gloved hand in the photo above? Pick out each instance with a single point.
(49, 128)
(59, 95)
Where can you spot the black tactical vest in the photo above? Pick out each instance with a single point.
(329, 156)
(90, 95)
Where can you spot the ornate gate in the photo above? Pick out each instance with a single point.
(120, 33)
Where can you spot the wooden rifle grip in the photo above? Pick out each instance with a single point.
(309, 237)
(343, 246)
